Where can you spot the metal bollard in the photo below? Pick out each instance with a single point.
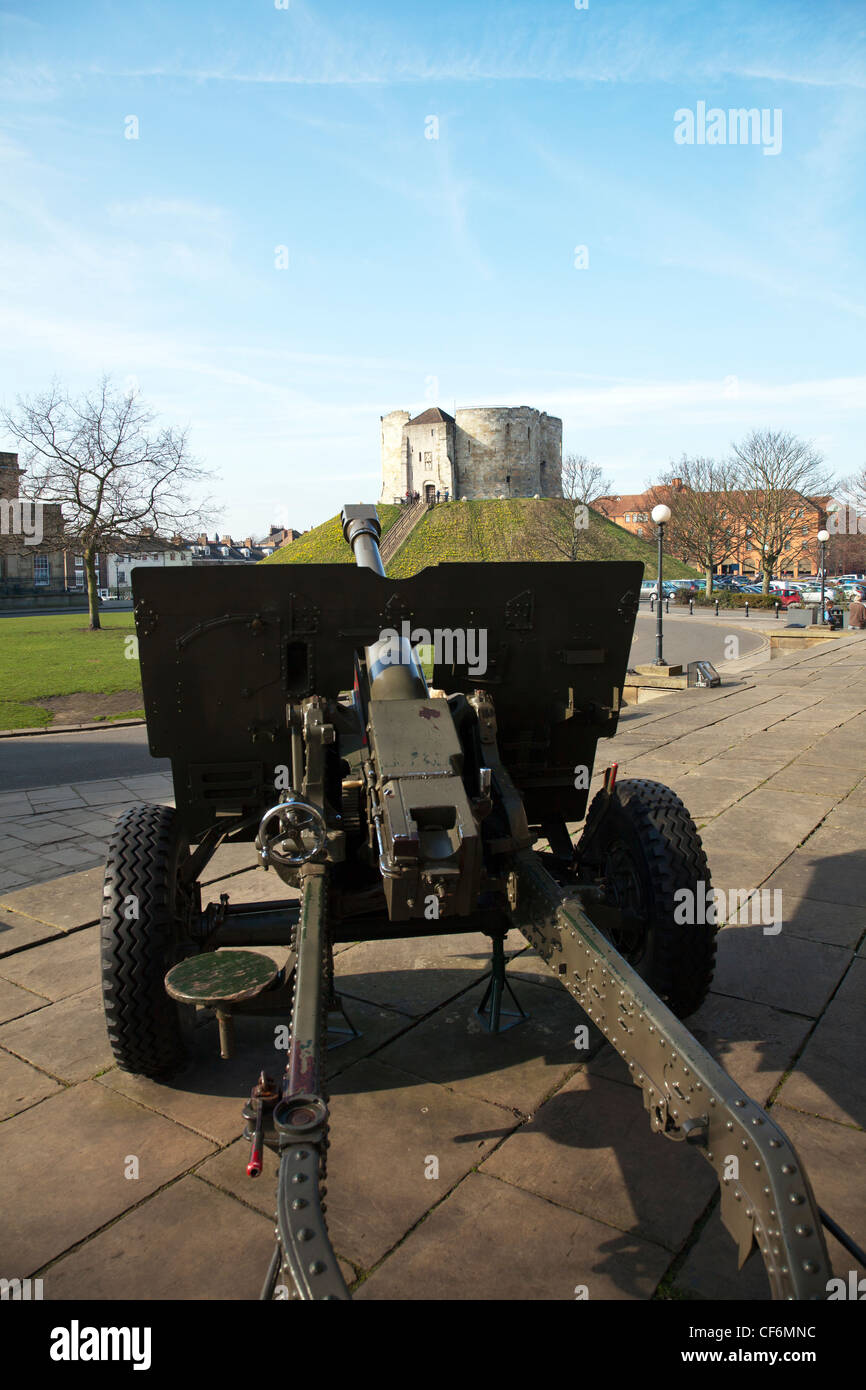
(777, 606)
(691, 606)
(652, 602)
(668, 603)
(717, 607)
(747, 608)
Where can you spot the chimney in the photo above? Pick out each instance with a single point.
(10, 475)
(248, 543)
(677, 484)
(226, 540)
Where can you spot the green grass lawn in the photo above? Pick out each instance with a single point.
(44, 655)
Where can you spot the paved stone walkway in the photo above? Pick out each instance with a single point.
(547, 1174)
(55, 829)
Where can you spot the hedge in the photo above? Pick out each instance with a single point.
(726, 598)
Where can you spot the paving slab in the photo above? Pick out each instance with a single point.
(107, 793)
(73, 900)
(10, 880)
(706, 795)
(755, 1044)
(839, 924)
(189, 1241)
(386, 1127)
(15, 1002)
(231, 859)
(828, 1079)
(38, 830)
(804, 777)
(90, 1134)
(828, 869)
(784, 971)
(18, 931)
(21, 1085)
(489, 1240)
(59, 968)
(517, 1069)
(68, 1039)
(250, 885)
(590, 1148)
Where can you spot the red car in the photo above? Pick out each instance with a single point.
(788, 597)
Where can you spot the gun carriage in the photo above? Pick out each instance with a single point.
(298, 720)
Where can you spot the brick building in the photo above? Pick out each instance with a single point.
(806, 516)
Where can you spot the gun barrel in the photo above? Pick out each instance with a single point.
(362, 530)
(393, 668)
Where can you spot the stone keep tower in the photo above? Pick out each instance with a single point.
(489, 451)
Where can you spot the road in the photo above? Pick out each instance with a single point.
(124, 607)
(687, 638)
(47, 760)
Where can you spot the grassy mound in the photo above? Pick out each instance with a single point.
(516, 528)
(324, 545)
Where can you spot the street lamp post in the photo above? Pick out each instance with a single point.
(823, 537)
(660, 515)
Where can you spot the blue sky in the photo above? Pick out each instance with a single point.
(725, 290)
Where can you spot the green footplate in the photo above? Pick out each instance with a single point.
(220, 977)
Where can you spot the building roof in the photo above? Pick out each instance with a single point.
(640, 501)
(623, 502)
(433, 416)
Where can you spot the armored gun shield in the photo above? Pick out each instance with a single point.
(223, 652)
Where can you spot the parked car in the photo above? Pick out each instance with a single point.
(789, 598)
(811, 593)
(649, 589)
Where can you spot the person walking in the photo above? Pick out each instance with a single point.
(446, 494)
(857, 610)
(437, 494)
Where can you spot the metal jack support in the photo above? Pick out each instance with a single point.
(494, 993)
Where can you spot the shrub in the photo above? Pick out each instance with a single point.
(726, 599)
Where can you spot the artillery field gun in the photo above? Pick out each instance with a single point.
(297, 716)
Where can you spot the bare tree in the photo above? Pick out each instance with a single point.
(704, 527)
(114, 476)
(583, 481)
(775, 474)
(563, 527)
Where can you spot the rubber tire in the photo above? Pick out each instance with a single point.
(651, 821)
(146, 1028)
